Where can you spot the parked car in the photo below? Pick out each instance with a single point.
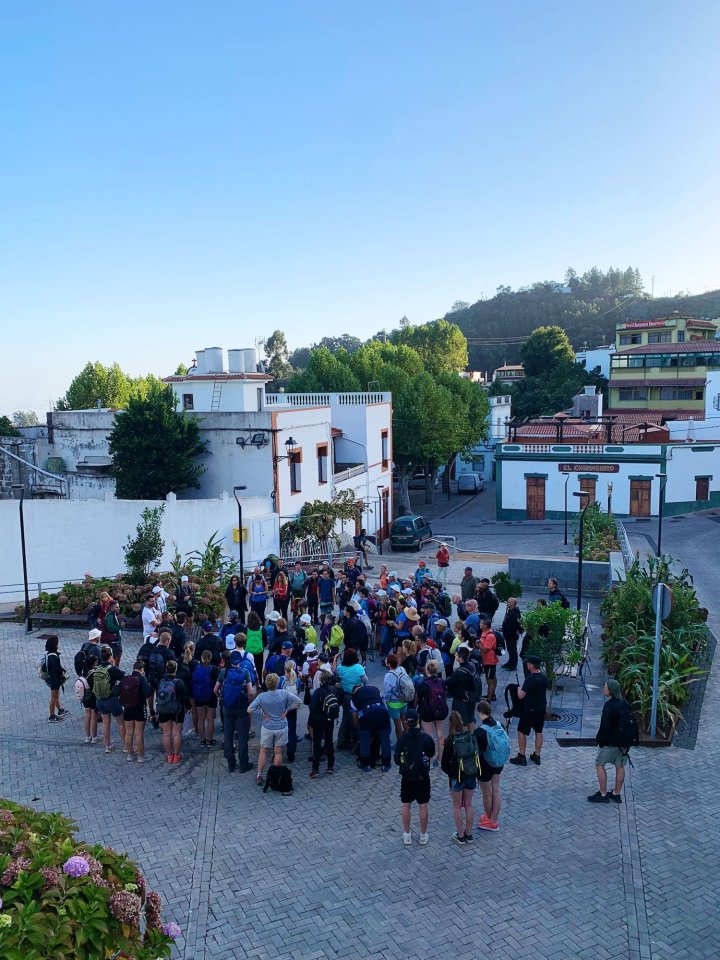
(409, 532)
(417, 480)
(470, 483)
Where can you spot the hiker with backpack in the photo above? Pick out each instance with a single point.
(133, 693)
(51, 671)
(324, 711)
(413, 754)
(461, 762)
(373, 722)
(533, 703)
(494, 747)
(256, 641)
(85, 694)
(398, 693)
(464, 686)
(309, 669)
(489, 654)
(273, 706)
(350, 673)
(433, 707)
(105, 687)
(235, 688)
(290, 681)
(487, 602)
(618, 732)
(111, 632)
(202, 685)
(171, 701)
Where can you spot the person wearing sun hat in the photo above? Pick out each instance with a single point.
(609, 752)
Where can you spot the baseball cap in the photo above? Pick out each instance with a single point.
(422, 563)
(274, 615)
(237, 657)
(208, 625)
(408, 592)
(381, 593)
(354, 604)
(412, 717)
(230, 641)
(94, 634)
(234, 615)
(393, 573)
(183, 579)
(286, 645)
(309, 648)
(157, 589)
(306, 618)
(441, 623)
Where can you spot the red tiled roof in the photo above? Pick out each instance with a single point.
(651, 416)
(216, 376)
(335, 432)
(707, 324)
(690, 346)
(660, 382)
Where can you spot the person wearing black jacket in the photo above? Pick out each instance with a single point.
(487, 602)
(210, 641)
(236, 595)
(511, 629)
(460, 685)
(55, 679)
(322, 727)
(135, 716)
(609, 752)
(355, 632)
(179, 637)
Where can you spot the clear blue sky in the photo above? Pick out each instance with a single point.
(175, 175)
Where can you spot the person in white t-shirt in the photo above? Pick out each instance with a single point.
(150, 617)
(160, 599)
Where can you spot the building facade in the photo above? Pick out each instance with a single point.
(482, 457)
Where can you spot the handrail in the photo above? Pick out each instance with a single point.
(624, 540)
(53, 476)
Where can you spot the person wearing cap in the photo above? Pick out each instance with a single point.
(533, 703)
(429, 617)
(276, 661)
(443, 561)
(91, 647)
(609, 752)
(309, 668)
(305, 632)
(235, 688)
(422, 574)
(414, 752)
(160, 603)
(184, 596)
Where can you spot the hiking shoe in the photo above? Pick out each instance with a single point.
(314, 774)
(54, 719)
(483, 820)
(109, 749)
(535, 757)
(385, 768)
(407, 839)
(177, 757)
(170, 758)
(468, 838)
(88, 739)
(615, 797)
(520, 760)
(457, 838)
(598, 797)
(95, 740)
(366, 769)
(62, 711)
(130, 757)
(142, 759)
(259, 780)
(423, 841)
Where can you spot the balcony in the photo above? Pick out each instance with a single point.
(363, 399)
(344, 471)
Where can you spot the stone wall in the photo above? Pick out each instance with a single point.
(12, 472)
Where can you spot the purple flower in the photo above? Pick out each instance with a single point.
(0, 903)
(125, 907)
(172, 930)
(153, 909)
(76, 867)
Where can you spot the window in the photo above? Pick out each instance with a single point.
(633, 393)
(659, 337)
(295, 478)
(322, 463)
(681, 336)
(385, 441)
(188, 401)
(702, 488)
(637, 362)
(630, 339)
(676, 393)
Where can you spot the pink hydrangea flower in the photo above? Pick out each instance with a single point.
(126, 907)
(153, 910)
(13, 869)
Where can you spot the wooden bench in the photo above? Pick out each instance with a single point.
(61, 619)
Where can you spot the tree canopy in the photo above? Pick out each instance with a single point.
(441, 345)
(110, 385)
(7, 429)
(276, 351)
(154, 449)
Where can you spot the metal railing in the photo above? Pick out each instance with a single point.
(449, 539)
(346, 474)
(624, 541)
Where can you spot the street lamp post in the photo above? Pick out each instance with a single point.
(662, 477)
(586, 495)
(240, 530)
(567, 477)
(380, 489)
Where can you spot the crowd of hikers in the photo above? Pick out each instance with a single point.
(247, 677)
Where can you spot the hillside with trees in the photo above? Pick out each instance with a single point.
(586, 306)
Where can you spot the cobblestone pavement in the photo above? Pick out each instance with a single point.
(324, 874)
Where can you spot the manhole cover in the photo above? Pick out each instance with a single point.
(576, 742)
(565, 718)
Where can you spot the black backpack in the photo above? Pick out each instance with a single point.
(279, 779)
(412, 759)
(564, 602)
(80, 661)
(331, 705)
(475, 694)
(627, 734)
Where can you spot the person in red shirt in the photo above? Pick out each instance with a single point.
(443, 562)
(490, 659)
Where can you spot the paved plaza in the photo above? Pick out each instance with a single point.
(324, 874)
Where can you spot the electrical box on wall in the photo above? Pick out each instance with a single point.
(236, 535)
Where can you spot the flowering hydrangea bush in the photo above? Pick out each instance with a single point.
(60, 898)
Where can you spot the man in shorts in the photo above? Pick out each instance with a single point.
(273, 705)
(533, 702)
(413, 754)
(608, 751)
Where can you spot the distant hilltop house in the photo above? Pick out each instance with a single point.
(509, 373)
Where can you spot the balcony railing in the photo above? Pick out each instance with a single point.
(326, 399)
(348, 472)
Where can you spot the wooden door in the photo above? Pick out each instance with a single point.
(640, 498)
(588, 486)
(535, 498)
(702, 488)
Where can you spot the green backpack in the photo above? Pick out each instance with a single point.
(465, 747)
(102, 688)
(253, 641)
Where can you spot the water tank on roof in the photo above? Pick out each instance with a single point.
(249, 362)
(214, 360)
(236, 361)
(199, 361)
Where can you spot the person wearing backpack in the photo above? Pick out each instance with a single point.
(202, 685)
(111, 633)
(494, 748)
(617, 733)
(533, 703)
(309, 669)
(413, 754)
(52, 673)
(133, 694)
(397, 688)
(256, 641)
(235, 687)
(324, 711)
(463, 686)
(290, 681)
(105, 687)
(171, 701)
(83, 687)
(554, 594)
(372, 722)
(461, 763)
(433, 707)
(489, 656)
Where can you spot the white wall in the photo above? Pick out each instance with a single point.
(596, 358)
(235, 395)
(67, 538)
(685, 462)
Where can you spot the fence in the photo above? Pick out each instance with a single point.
(624, 541)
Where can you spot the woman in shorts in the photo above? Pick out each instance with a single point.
(105, 681)
(462, 787)
(134, 692)
(171, 701)
(90, 712)
(489, 776)
(204, 678)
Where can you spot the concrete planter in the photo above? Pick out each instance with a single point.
(533, 574)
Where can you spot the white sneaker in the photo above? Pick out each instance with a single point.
(109, 749)
(95, 740)
(88, 740)
(424, 837)
(407, 839)
(130, 757)
(142, 759)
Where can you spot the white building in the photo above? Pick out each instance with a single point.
(596, 359)
(482, 458)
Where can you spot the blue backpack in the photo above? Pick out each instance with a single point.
(201, 684)
(234, 690)
(498, 748)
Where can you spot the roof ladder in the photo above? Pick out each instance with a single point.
(216, 395)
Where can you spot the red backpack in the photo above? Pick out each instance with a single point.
(437, 700)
